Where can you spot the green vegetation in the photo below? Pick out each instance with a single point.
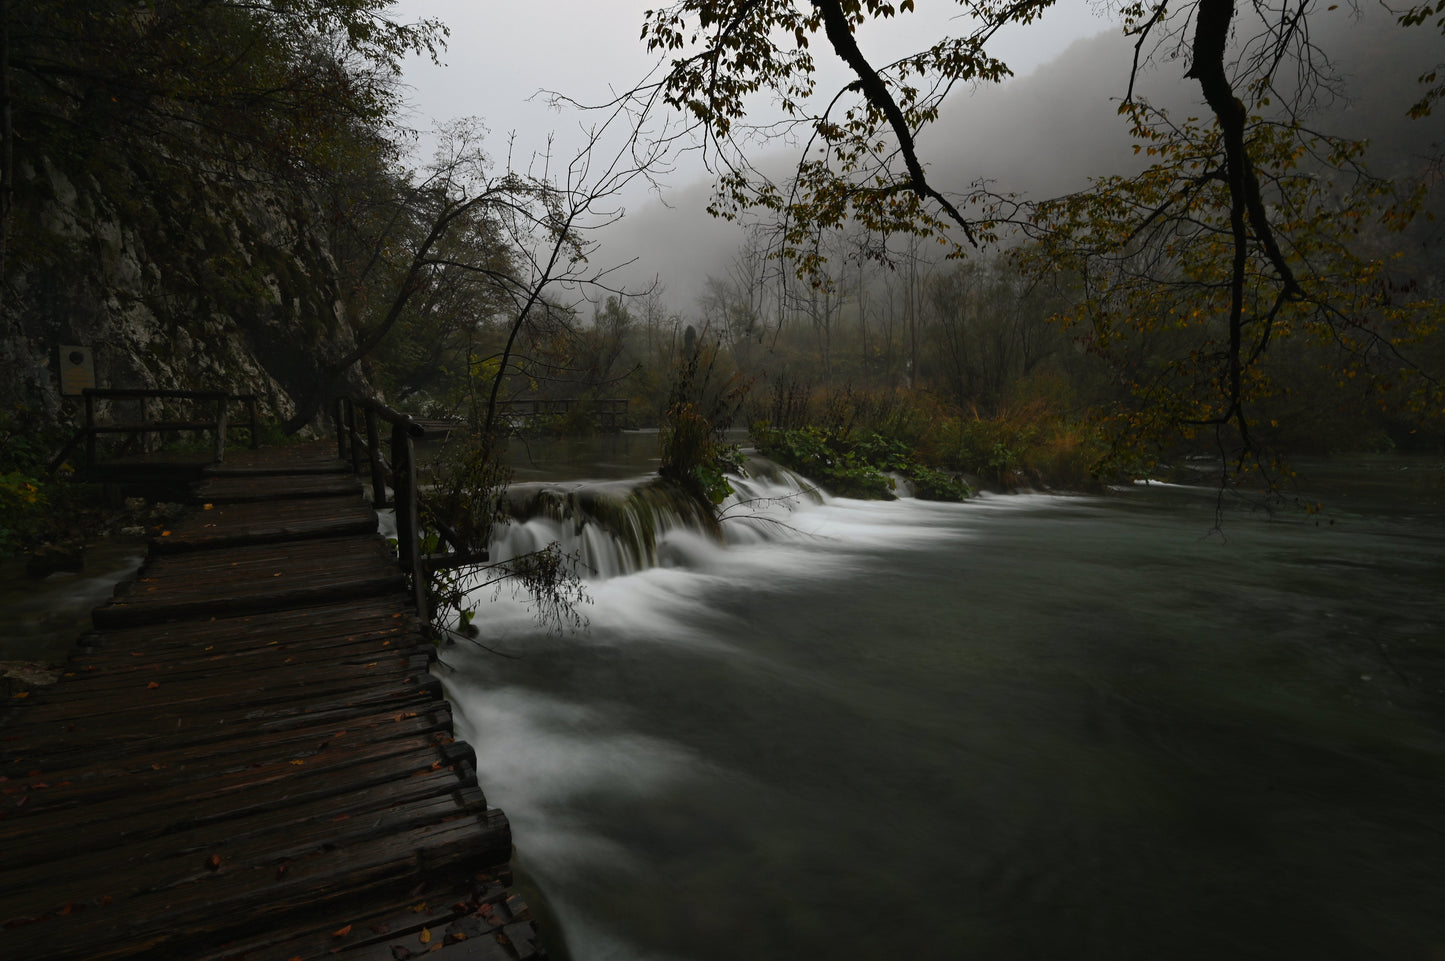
(224, 188)
(1255, 270)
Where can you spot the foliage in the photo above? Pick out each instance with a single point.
(23, 504)
(859, 160)
(859, 465)
(1249, 232)
(703, 402)
(1190, 319)
(465, 503)
(31, 504)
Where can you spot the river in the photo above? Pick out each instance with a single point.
(1029, 726)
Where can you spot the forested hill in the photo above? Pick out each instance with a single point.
(182, 188)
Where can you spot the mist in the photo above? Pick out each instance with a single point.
(1052, 130)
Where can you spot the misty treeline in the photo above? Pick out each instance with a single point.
(242, 169)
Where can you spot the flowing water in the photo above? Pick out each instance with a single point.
(1025, 727)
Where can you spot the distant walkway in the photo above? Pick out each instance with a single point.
(249, 759)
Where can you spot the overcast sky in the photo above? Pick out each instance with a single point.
(500, 54)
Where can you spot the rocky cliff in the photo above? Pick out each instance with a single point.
(213, 281)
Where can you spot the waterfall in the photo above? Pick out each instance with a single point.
(614, 528)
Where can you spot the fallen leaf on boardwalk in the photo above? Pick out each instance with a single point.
(205, 507)
(165, 533)
(136, 654)
(425, 936)
(341, 933)
(298, 762)
(23, 694)
(153, 684)
(417, 908)
(371, 665)
(69, 907)
(214, 862)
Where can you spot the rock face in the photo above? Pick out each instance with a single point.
(205, 282)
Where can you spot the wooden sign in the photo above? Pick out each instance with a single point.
(77, 370)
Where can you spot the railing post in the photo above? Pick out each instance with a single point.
(89, 430)
(221, 427)
(338, 421)
(255, 423)
(354, 437)
(403, 459)
(373, 450)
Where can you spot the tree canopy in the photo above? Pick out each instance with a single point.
(1247, 231)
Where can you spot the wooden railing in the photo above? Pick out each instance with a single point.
(215, 419)
(607, 413)
(358, 440)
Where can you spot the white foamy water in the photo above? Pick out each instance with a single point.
(1021, 727)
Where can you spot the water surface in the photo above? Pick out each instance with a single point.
(1024, 727)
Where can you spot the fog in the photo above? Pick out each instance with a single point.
(1049, 131)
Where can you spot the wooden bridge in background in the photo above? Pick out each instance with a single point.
(249, 758)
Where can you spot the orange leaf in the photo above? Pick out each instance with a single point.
(342, 932)
(425, 936)
(214, 862)
(153, 684)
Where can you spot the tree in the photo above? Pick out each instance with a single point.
(1231, 225)
(226, 90)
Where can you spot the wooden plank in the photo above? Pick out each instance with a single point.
(137, 855)
(230, 900)
(317, 457)
(128, 733)
(250, 753)
(247, 580)
(235, 488)
(266, 522)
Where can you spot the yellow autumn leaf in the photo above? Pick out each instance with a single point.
(425, 936)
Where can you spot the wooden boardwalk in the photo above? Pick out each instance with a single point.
(249, 759)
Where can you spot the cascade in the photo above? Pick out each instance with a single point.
(615, 528)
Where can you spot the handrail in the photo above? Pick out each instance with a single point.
(405, 498)
(90, 431)
(608, 412)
